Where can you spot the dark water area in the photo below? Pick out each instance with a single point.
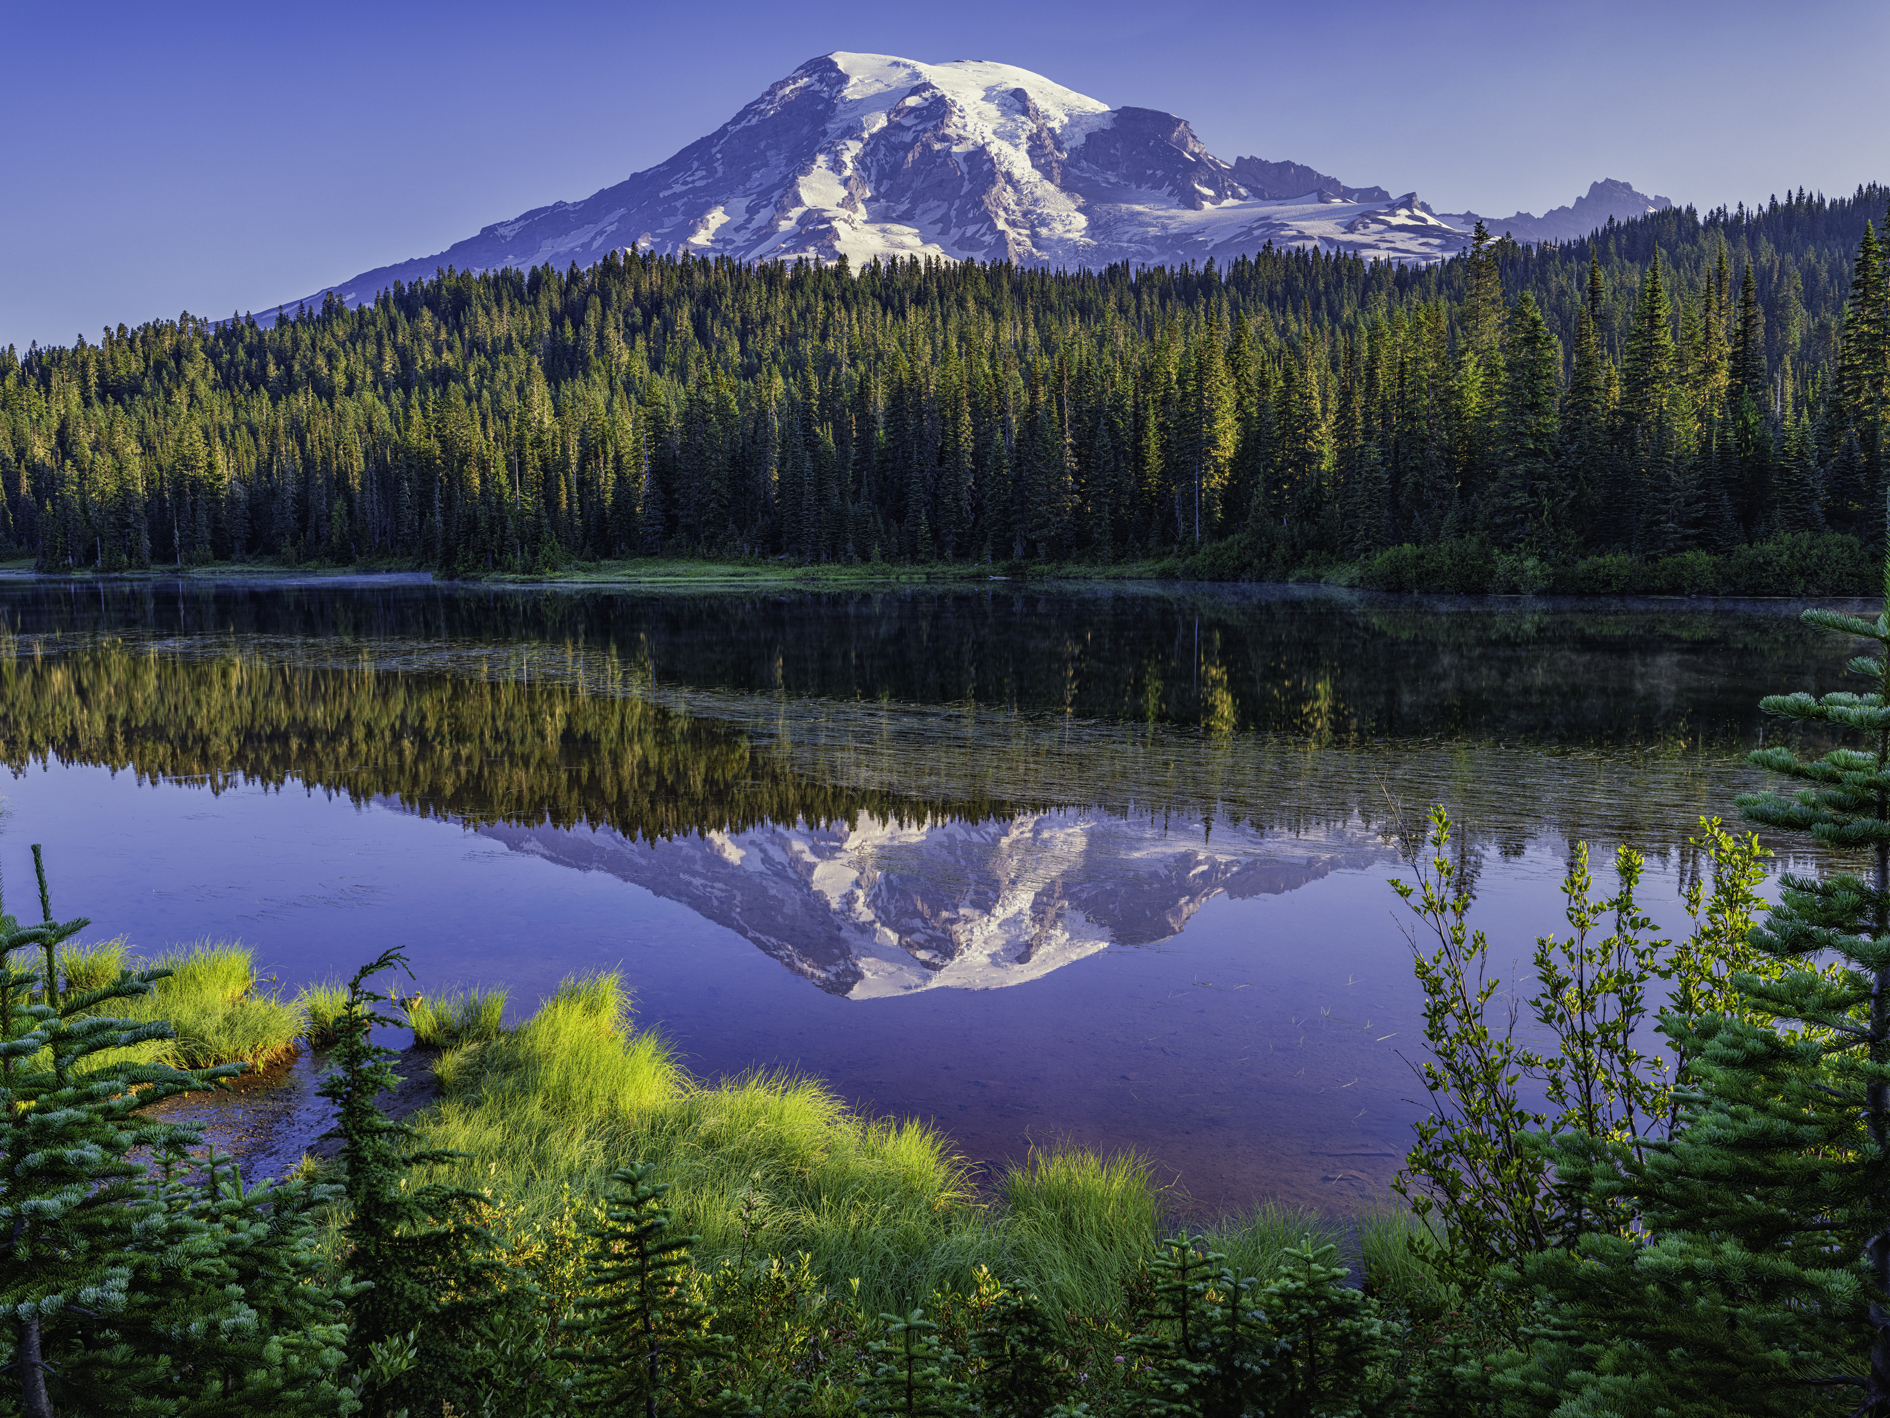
(1038, 864)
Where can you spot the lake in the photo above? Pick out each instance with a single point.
(1039, 863)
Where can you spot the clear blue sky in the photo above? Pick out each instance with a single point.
(215, 157)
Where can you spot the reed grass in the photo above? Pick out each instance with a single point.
(211, 999)
(1075, 1223)
(321, 1007)
(1253, 1243)
(463, 1017)
(548, 1110)
(83, 968)
(1390, 1264)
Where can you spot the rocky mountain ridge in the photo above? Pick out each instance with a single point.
(879, 909)
(857, 156)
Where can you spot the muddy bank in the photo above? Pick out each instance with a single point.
(269, 1119)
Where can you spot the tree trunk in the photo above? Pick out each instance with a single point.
(32, 1373)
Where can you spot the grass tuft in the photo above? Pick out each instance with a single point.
(84, 968)
(1254, 1243)
(320, 1007)
(474, 1016)
(1079, 1223)
(210, 1000)
(1385, 1254)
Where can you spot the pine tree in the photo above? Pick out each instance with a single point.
(1525, 506)
(420, 1251)
(1748, 357)
(1019, 1369)
(1583, 449)
(1330, 1351)
(912, 1372)
(644, 1338)
(123, 1284)
(1179, 1350)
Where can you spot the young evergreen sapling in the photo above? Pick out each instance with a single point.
(421, 1251)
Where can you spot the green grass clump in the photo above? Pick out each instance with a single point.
(575, 1092)
(210, 1000)
(1076, 1223)
(1254, 1243)
(472, 1016)
(320, 1007)
(83, 968)
(1391, 1266)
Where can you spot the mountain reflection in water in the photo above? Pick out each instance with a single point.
(882, 908)
(1165, 815)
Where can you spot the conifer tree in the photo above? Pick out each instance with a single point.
(124, 1284)
(1019, 1372)
(420, 1252)
(1330, 1350)
(912, 1373)
(644, 1338)
(1526, 507)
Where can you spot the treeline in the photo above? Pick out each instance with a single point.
(1676, 384)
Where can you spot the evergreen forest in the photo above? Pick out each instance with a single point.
(1704, 393)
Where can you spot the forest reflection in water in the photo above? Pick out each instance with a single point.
(925, 796)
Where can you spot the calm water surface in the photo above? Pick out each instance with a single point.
(1106, 866)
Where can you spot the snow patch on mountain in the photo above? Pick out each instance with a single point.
(858, 156)
(880, 909)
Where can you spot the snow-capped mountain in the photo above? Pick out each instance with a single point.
(864, 155)
(882, 909)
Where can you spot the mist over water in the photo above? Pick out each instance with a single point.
(1039, 864)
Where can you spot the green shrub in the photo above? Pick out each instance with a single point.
(1462, 567)
(1693, 573)
(1613, 574)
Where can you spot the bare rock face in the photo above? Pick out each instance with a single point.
(861, 156)
(1280, 180)
(1605, 201)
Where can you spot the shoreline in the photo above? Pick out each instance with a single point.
(722, 578)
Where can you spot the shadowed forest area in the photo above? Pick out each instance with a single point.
(1682, 403)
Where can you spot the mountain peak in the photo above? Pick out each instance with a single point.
(859, 156)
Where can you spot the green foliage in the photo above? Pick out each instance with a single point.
(463, 1017)
(420, 1251)
(128, 1283)
(642, 1337)
(321, 1007)
(1481, 1170)
(912, 1372)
